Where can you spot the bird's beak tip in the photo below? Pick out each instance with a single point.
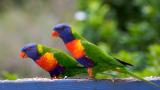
(55, 34)
(23, 55)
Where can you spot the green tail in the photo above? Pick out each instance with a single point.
(135, 76)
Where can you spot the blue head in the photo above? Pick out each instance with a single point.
(31, 51)
(63, 31)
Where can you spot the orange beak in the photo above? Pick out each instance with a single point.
(55, 34)
(23, 55)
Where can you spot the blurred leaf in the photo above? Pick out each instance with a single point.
(154, 51)
(9, 76)
(104, 47)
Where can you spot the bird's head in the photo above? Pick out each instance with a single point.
(60, 29)
(63, 31)
(30, 50)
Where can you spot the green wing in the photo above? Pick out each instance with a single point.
(72, 67)
(96, 54)
(66, 60)
(62, 58)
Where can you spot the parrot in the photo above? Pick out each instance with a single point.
(89, 55)
(54, 61)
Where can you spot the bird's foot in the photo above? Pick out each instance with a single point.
(90, 73)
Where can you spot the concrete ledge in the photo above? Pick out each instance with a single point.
(77, 84)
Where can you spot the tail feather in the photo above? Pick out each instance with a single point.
(137, 77)
(123, 62)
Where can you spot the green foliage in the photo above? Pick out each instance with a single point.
(9, 76)
(128, 30)
(154, 58)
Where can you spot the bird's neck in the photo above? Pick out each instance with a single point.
(35, 56)
(67, 37)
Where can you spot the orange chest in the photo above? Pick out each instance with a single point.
(47, 62)
(76, 49)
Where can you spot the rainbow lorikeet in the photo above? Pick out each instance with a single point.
(89, 55)
(52, 60)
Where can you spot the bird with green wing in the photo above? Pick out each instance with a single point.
(55, 62)
(89, 55)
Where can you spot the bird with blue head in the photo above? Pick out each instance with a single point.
(55, 62)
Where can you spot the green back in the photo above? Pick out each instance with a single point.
(97, 55)
(62, 58)
(72, 67)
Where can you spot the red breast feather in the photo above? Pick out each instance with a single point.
(76, 48)
(47, 62)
